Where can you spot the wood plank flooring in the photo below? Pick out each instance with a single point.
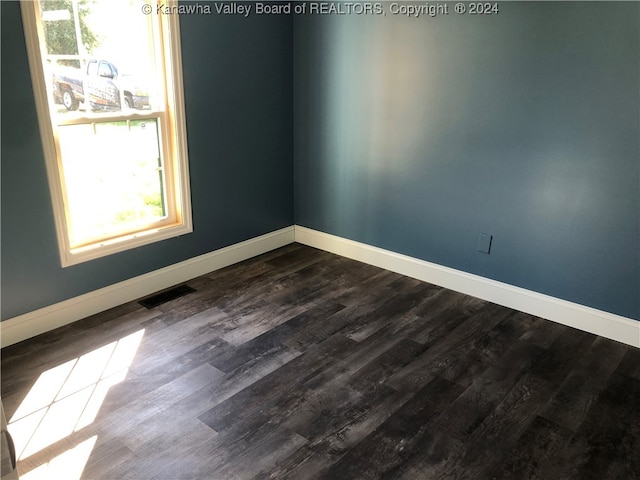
(299, 364)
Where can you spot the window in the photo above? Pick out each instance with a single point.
(107, 81)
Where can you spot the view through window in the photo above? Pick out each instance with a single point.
(108, 88)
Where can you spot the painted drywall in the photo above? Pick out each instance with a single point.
(238, 82)
(412, 134)
(418, 134)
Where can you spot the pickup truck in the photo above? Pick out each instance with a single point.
(106, 88)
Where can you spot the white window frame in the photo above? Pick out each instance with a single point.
(173, 143)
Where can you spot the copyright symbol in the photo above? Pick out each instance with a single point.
(146, 9)
(460, 8)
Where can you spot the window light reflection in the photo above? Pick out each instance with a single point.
(69, 465)
(67, 398)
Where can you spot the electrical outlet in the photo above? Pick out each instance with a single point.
(484, 243)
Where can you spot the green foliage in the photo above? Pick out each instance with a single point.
(60, 35)
(154, 201)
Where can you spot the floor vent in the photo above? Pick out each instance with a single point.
(166, 296)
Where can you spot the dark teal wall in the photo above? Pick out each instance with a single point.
(415, 135)
(238, 83)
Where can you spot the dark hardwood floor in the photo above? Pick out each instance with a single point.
(300, 364)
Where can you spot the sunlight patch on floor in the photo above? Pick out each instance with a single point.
(66, 399)
(69, 465)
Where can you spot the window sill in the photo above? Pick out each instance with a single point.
(102, 249)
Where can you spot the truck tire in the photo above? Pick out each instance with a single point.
(68, 100)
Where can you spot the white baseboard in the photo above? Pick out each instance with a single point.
(574, 315)
(614, 327)
(34, 323)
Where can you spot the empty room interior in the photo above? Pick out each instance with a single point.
(413, 251)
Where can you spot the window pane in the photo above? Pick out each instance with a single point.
(99, 57)
(105, 75)
(113, 177)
